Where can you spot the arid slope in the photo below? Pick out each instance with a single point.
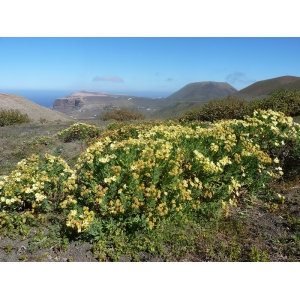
(34, 111)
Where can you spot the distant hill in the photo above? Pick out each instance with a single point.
(90, 105)
(200, 91)
(33, 110)
(193, 95)
(264, 88)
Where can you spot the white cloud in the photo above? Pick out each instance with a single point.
(108, 78)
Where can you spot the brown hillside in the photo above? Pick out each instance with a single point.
(34, 111)
(264, 88)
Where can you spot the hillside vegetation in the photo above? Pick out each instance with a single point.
(265, 88)
(168, 191)
(12, 116)
(200, 94)
(175, 110)
(287, 102)
(122, 115)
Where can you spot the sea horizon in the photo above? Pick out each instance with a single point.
(44, 98)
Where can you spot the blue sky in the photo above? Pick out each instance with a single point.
(142, 65)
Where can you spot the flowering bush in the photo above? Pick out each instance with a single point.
(168, 171)
(79, 131)
(37, 186)
(138, 177)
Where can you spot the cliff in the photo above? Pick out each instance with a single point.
(68, 105)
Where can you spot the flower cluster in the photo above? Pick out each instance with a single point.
(39, 184)
(80, 222)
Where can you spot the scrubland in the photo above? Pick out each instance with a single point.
(226, 190)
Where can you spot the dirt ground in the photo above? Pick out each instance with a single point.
(19, 252)
(75, 252)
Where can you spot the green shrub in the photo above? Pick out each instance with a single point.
(122, 115)
(79, 131)
(12, 116)
(38, 186)
(139, 177)
(228, 108)
(287, 102)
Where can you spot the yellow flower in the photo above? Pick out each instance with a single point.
(104, 159)
(214, 147)
(73, 213)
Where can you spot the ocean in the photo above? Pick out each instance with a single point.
(43, 97)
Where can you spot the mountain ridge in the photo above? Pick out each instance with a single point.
(88, 104)
(203, 90)
(264, 88)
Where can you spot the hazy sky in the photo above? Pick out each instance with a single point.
(142, 65)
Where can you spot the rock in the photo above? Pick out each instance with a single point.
(67, 105)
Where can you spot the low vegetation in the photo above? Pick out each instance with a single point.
(79, 131)
(121, 115)
(169, 190)
(285, 101)
(12, 116)
(228, 108)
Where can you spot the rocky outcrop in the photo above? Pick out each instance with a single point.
(68, 105)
